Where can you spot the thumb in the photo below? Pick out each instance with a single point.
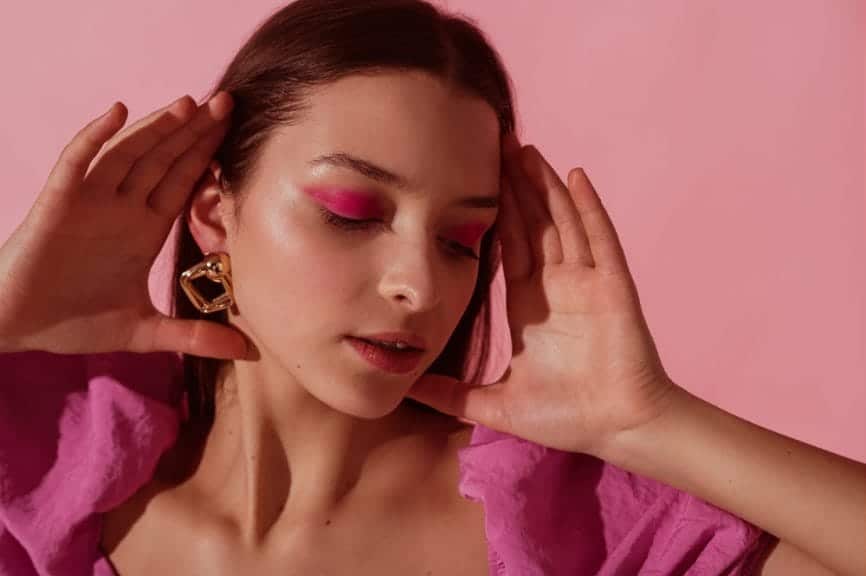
(478, 404)
(196, 337)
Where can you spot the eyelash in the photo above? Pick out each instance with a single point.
(351, 225)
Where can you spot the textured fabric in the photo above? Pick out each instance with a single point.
(80, 434)
(550, 512)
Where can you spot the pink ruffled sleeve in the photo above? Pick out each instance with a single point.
(549, 512)
(79, 434)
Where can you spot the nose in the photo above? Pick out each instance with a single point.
(411, 278)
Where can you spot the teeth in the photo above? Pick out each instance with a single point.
(392, 345)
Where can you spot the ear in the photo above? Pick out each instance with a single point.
(208, 212)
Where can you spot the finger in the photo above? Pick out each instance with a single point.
(542, 233)
(481, 404)
(197, 337)
(171, 153)
(562, 208)
(126, 148)
(604, 242)
(77, 155)
(516, 252)
(146, 120)
(169, 197)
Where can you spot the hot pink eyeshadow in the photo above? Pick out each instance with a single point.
(347, 203)
(467, 234)
(359, 204)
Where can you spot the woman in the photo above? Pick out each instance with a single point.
(351, 182)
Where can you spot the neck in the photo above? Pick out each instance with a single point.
(277, 457)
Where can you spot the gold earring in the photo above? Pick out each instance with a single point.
(217, 268)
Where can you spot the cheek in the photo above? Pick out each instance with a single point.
(291, 266)
(456, 293)
(291, 270)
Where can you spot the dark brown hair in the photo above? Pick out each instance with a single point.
(309, 43)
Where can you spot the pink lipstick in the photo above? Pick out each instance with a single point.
(385, 357)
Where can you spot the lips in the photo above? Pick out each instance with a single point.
(387, 358)
(413, 341)
(389, 345)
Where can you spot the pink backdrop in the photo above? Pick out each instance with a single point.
(726, 139)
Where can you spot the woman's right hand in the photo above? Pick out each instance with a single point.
(74, 273)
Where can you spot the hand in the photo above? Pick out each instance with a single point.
(584, 365)
(74, 273)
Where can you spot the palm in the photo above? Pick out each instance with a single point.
(74, 274)
(584, 365)
(580, 371)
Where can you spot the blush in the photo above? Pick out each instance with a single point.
(346, 202)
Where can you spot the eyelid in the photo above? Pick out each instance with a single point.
(351, 224)
(346, 202)
(474, 227)
(362, 199)
(344, 221)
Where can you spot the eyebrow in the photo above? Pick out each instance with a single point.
(384, 176)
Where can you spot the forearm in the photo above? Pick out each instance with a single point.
(814, 499)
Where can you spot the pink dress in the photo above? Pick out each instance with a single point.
(79, 434)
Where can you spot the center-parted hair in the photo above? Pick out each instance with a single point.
(310, 43)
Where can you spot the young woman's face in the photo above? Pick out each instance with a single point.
(304, 284)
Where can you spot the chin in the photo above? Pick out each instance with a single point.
(366, 407)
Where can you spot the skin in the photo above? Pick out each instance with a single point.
(306, 426)
(603, 391)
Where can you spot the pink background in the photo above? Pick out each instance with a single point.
(725, 138)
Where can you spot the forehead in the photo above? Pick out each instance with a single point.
(413, 124)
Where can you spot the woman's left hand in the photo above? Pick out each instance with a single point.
(584, 365)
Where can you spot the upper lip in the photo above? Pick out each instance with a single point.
(408, 338)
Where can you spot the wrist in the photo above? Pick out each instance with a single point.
(629, 449)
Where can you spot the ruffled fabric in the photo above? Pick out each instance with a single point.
(549, 512)
(79, 434)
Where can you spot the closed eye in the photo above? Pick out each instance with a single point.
(353, 225)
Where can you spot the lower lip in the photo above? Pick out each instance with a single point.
(396, 361)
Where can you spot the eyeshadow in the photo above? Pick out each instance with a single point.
(347, 202)
(363, 204)
(467, 234)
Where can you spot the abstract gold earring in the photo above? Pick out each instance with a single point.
(217, 268)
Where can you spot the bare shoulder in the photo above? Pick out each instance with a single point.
(137, 526)
(784, 558)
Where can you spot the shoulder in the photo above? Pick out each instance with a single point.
(78, 435)
(668, 530)
(782, 558)
(575, 513)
